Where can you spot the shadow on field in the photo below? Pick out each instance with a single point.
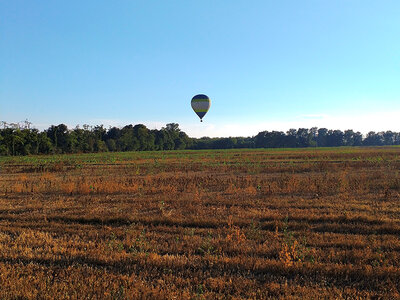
(272, 271)
(343, 225)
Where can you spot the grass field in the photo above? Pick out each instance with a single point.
(282, 223)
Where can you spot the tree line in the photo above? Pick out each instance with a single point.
(60, 139)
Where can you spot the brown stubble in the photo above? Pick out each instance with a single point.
(212, 224)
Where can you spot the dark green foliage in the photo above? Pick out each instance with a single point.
(60, 139)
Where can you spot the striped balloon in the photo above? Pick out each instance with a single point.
(201, 104)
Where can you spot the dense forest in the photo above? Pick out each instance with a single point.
(61, 139)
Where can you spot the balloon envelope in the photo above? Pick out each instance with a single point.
(201, 104)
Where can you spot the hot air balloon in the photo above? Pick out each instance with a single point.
(201, 104)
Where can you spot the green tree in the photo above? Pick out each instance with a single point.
(44, 143)
(59, 137)
(322, 137)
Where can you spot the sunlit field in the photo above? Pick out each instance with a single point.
(252, 224)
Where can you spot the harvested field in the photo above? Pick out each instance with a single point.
(251, 224)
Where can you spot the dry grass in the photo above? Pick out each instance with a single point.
(202, 224)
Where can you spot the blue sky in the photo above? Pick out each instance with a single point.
(266, 65)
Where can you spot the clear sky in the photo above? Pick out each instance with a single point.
(266, 65)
